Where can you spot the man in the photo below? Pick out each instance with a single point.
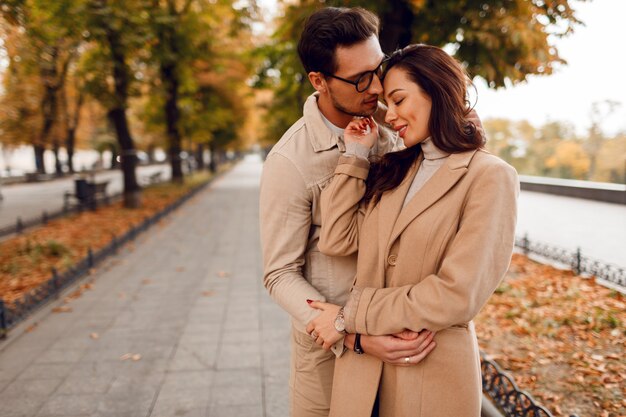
(340, 52)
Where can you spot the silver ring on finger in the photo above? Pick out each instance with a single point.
(407, 360)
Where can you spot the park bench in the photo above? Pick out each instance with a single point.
(87, 193)
(153, 178)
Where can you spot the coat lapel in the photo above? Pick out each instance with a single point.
(435, 188)
(391, 202)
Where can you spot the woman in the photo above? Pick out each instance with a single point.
(434, 229)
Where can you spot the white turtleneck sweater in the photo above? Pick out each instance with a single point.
(434, 158)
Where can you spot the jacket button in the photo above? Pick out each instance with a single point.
(392, 259)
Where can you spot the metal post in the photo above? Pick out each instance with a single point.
(525, 244)
(55, 282)
(90, 258)
(577, 261)
(44, 217)
(3, 320)
(19, 227)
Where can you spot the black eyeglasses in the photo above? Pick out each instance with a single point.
(365, 80)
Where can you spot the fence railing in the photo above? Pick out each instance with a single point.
(506, 395)
(19, 310)
(21, 225)
(574, 259)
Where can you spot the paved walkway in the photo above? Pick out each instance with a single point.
(179, 325)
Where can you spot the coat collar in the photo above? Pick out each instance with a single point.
(394, 219)
(321, 137)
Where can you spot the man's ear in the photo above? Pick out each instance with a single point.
(318, 81)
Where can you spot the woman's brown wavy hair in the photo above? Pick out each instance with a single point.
(443, 79)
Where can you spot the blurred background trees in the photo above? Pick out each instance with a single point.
(170, 70)
(199, 77)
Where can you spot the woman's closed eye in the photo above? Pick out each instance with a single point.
(397, 102)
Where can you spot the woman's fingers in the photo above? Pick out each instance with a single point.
(413, 347)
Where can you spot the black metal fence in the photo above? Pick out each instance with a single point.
(20, 225)
(19, 310)
(580, 264)
(506, 395)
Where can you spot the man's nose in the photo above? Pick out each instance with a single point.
(376, 87)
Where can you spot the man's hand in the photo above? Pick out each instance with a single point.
(322, 328)
(394, 349)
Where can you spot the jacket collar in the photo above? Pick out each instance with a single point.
(321, 137)
(394, 219)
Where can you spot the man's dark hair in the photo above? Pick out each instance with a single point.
(329, 28)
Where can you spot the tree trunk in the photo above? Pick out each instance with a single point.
(132, 191)
(58, 167)
(172, 115)
(117, 116)
(168, 52)
(72, 125)
(200, 156)
(396, 22)
(213, 162)
(69, 146)
(40, 165)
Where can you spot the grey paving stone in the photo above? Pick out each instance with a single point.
(46, 371)
(184, 397)
(61, 356)
(132, 402)
(177, 410)
(86, 384)
(69, 404)
(235, 377)
(236, 356)
(23, 405)
(276, 395)
(188, 380)
(220, 410)
(242, 394)
(35, 387)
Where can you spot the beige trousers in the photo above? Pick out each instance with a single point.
(311, 379)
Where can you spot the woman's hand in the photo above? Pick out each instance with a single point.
(404, 349)
(395, 348)
(322, 328)
(362, 130)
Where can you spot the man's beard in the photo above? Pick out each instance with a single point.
(344, 110)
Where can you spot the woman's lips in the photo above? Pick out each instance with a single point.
(401, 131)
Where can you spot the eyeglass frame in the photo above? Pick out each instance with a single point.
(356, 83)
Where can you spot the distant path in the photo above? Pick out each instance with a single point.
(599, 229)
(29, 200)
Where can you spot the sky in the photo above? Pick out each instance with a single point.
(595, 72)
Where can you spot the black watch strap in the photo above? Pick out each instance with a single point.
(357, 344)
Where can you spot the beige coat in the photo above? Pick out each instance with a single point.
(430, 265)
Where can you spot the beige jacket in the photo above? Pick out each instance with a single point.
(296, 170)
(430, 265)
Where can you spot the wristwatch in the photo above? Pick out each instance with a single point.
(340, 323)
(358, 349)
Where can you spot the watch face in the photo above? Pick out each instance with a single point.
(340, 324)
